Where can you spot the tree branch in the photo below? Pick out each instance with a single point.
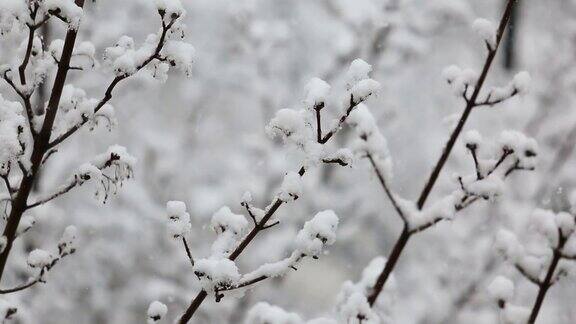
(406, 233)
(108, 94)
(387, 190)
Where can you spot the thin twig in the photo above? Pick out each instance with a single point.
(188, 253)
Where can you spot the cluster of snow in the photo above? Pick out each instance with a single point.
(370, 141)
(316, 93)
(317, 233)
(178, 219)
(501, 289)
(525, 149)
(216, 273)
(19, 12)
(40, 259)
(507, 244)
(179, 54)
(293, 126)
(550, 225)
(26, 223)
(75, 107)
(7, 310)
(264, 313)
(67, 243)
(125, 59)
(459, 79)
(291, 187)
(352, 303)
(443, 209)
(156, 311)
(66, 10)
(520, 84)
(230, 228)
(11, 124)
(514, 151)
(170, 9)
(360, 85)
(486, 30)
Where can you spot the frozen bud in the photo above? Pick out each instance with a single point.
(180, 55)
(247, 198)
(170, 9)
(178, 219)
(501, 289)
(264, 313)
(508, 245)
(363, 89)
(486, 31)
(290, 125)
(565, 223)
(40, 259)
(291, 187)
(88, 171)
(451, 73)
(67, 241)
(215, 273)
(7, 310)
(67, 10)
(473, 139)
(544, 222)
(225, 220)
(156, 311)
(316, 93)
(26, 223)
(317, 233)
(521, 82)
(358, 71)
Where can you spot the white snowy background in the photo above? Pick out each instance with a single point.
(202, 139)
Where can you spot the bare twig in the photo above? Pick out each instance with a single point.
(387, 190)
(188, 253)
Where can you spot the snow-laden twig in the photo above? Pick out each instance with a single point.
(471, 102)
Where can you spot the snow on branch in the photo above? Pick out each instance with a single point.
(44, 261)
(542, 269)
(219, 274)
(159, 52)
(296, 129)
(116, 158)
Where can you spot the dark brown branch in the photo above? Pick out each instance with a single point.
(467, 110)
(9, 187)
(527, 275)
(335, 161)
(405, 235)
(318, 108)
(545, 285)
(188, 253)
(488, 102)
(352, 104)
(473, 150)
(66, 188)
(40, 146)
(19, 288)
